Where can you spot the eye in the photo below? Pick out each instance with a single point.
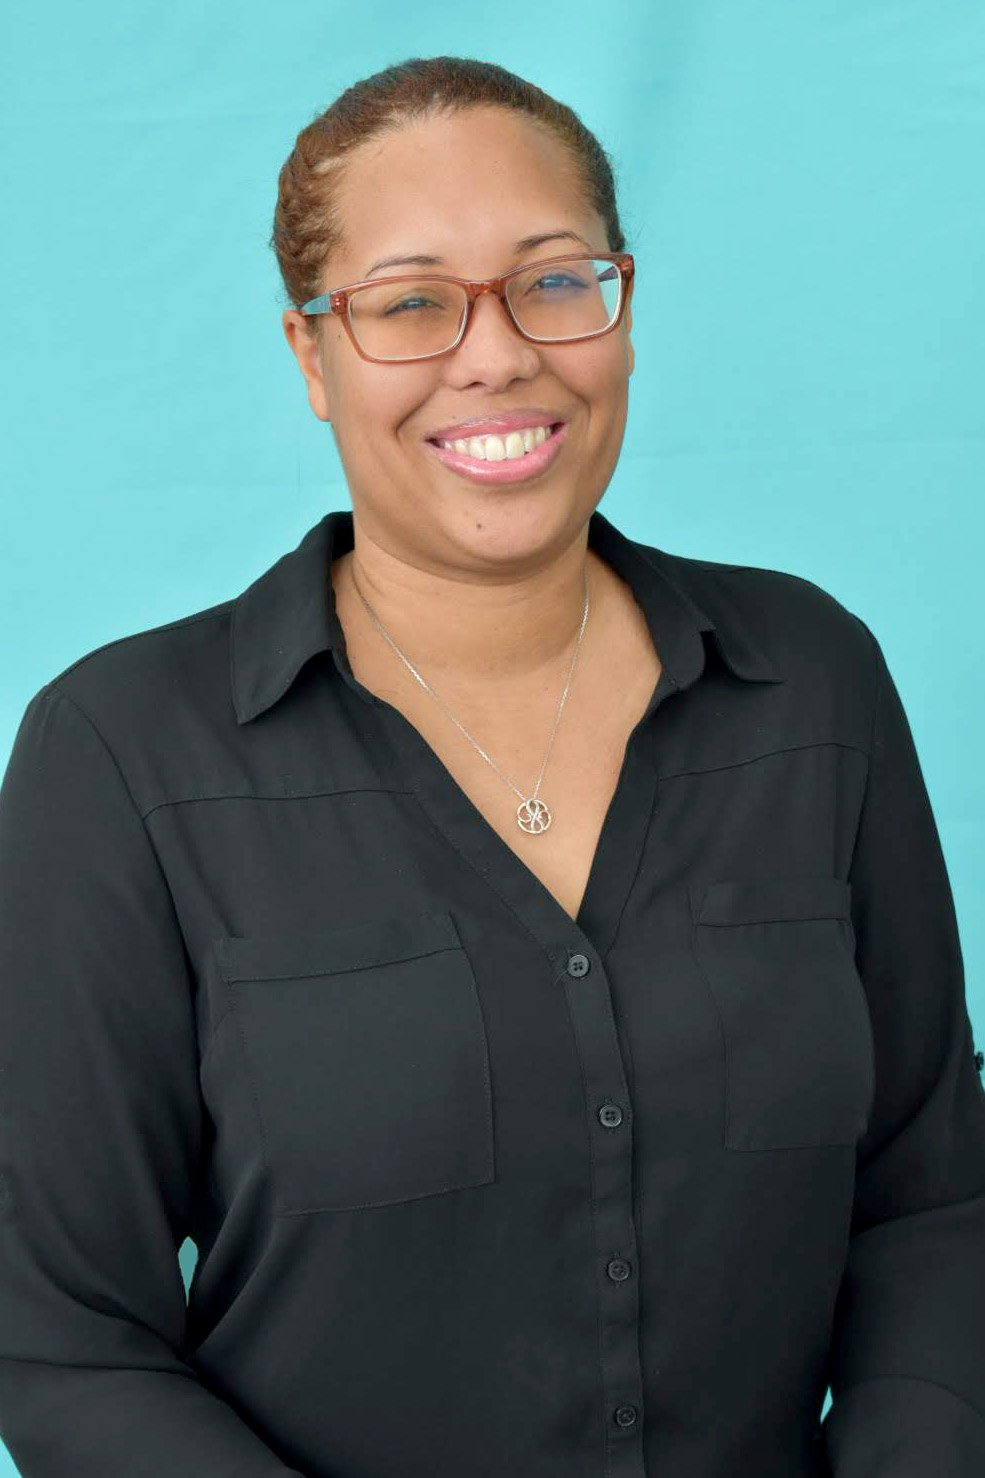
(560, 279)
(406, 303)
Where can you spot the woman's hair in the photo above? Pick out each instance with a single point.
(307, 220)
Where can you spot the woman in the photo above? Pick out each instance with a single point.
(521, 959)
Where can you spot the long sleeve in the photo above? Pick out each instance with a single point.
(907, 1368)
(100, 1130)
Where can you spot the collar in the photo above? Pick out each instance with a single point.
(287, 614)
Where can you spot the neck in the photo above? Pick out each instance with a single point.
(458, 630)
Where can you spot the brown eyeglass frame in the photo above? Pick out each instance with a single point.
(336, 300)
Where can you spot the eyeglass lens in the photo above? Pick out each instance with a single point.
(567, 300)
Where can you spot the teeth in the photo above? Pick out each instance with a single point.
(498, 448)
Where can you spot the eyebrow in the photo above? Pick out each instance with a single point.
(525, 244)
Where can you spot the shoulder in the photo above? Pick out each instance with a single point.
(802, 626)
(155, 691)
(154, 660)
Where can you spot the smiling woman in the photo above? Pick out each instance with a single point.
(594, 1134)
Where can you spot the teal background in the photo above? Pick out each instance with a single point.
(801, 186)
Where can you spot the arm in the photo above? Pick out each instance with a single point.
(908, 1348)
(100, 1131)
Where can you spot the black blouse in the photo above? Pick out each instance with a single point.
(480, 1190)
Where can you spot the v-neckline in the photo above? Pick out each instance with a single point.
(622, 836)
(617, 853)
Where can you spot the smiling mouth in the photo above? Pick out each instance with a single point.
(506, 446)
(511, 462)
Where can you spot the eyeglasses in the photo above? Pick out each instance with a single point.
(393, 320)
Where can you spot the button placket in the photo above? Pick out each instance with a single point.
(590, 1008)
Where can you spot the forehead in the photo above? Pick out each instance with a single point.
(457, 186)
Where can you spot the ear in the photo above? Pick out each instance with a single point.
(307, 350)
(629, 342)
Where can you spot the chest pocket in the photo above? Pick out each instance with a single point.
(368, 1061)
(778, 956)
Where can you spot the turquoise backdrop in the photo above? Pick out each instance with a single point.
(801, 186)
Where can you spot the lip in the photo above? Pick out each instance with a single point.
(520, 469)
(497, 425)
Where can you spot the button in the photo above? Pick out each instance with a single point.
(579, 965)
(625, 1415)
(618, 1269)
(610, 1114)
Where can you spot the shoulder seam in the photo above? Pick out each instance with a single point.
(714, 565)
(214, 615)
(880, 670)
(678, 564)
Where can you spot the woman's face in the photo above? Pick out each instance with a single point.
(465, 189)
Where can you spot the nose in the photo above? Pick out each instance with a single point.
(492, 338)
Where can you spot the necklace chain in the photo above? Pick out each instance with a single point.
(533, 815)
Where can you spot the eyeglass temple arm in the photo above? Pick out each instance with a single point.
(321, 304)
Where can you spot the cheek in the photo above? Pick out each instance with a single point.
(598, 373)
(386, 404)
(372, 415)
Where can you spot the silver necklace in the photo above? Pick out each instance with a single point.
(532, 815)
